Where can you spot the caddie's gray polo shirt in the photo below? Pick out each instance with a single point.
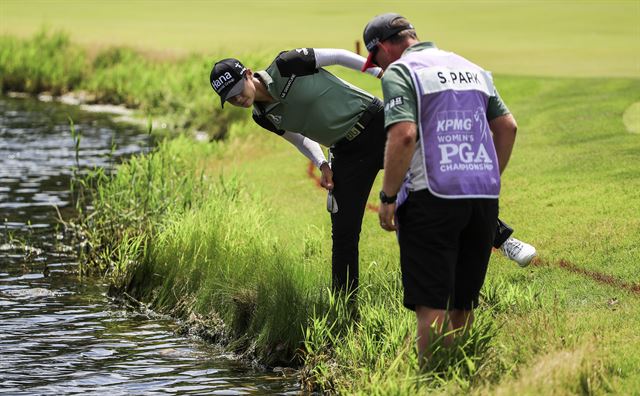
(310, 101)
(400, 95)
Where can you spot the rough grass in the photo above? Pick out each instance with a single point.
(22, 67)
(175, 92)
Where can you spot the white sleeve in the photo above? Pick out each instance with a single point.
(306, 146)
(342, 57)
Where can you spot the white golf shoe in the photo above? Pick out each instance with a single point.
(518, 251)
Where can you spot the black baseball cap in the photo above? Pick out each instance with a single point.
(227, 78)
(379, 29)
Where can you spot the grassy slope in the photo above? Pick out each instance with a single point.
(570, 190)
(558, 331)
(579, 38)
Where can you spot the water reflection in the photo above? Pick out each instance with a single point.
(60, 334)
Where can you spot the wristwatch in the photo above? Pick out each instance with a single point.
(385, 199)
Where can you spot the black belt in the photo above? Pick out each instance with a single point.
(365, 118)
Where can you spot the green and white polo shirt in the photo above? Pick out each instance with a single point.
(309, 100)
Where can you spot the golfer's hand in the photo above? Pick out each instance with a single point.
(326, 180)
(386, 214)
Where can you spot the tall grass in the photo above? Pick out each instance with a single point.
(168, 236)
(147, 188)
(176, 92)
(376, 354)
(44, 62)
(196, 248)
(220, 258)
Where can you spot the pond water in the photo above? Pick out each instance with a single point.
(59, 333)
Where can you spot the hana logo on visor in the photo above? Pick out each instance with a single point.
(219, 83)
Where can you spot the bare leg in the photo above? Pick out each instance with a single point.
(428, 317)
(431, 325)
(461, 318)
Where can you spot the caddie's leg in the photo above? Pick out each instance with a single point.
(461, 318)
(473, 260)
(431, 324)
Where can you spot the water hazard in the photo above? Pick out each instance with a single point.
(60, 334)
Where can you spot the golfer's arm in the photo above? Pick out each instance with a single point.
(342, 57)
(401, 144)
(306, 146)
(504, 130)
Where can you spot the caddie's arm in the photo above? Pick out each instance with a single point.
(504, 130)
(401, 144)
(401, 120)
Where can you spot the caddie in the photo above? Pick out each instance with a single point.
(450, 137)
(296, 98)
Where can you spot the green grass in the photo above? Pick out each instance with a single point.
(176, 92)
(22, 67)
(233, 234)
(253, 249)
(568, 38)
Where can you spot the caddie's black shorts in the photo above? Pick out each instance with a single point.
(445, 245)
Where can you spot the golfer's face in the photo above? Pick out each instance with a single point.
(246, 97)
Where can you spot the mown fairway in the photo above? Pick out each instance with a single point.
(567, 325)
(568, 38)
